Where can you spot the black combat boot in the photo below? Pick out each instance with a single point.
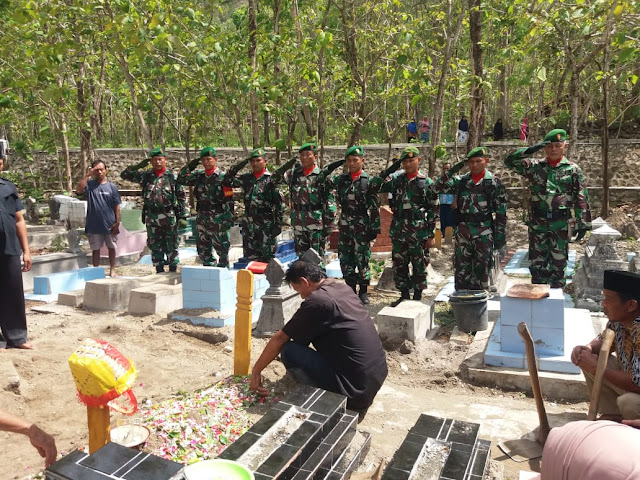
(173, 268)
(404, 295)
(363, 294)
(353, 287)
(160, 268)
(417, 294)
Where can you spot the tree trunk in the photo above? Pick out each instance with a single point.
(573, 126)
(81, 105)
(476, 114)
(277, 5)
(253, 99)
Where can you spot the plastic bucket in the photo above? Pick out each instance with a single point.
(470, 309)
(218, 469)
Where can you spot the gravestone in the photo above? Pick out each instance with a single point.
(312, 256)
(279, 302)
(599, 255)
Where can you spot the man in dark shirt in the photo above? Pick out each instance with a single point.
(13, 242)
(103, 213)
(347, 358)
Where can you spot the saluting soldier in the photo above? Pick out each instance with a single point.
(413, 224)
(557, 187)
(313, 207)
(165, 206)
(359, 222)
(481, 212)
(263, 205)
(214, 207)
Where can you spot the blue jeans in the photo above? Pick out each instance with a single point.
(308, 367)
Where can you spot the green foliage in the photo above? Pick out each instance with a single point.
(25, 184)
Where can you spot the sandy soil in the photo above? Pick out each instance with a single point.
(422, 380)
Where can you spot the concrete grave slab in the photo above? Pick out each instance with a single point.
(9, 378)
(71, 299)
(53, 283)
(112, 294)
(410, 320)
(519, 263)
(154, 299)
(52, 263)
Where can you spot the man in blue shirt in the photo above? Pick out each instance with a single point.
(103, 212)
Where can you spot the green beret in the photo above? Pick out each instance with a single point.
(478, 152)
(157, 152)
(556, 135)
(257, 152)
(356, 151)
(207, 152)
(308, 146)
(409, 152)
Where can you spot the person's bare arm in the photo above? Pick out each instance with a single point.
(115, 228)
(41, 440)
(270, 352)
(21, 230)
(82, 184)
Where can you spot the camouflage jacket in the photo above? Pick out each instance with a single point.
(359, 203)
(554, 188)
(161, 194)
(414, 204)
(480, 206)
(263, 201)
(312, 202)
(212, 197)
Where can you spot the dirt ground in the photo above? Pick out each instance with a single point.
(422, 380)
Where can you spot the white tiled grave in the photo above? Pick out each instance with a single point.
(554, 328)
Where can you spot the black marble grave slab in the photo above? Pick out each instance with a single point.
(114, 461)
(350, 459)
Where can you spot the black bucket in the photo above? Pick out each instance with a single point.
(470, 309)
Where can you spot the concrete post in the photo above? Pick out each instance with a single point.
(242, 342)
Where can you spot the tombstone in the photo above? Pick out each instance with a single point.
(438, 239)
(73, 237)
(599, 255)
(312, 256)
(448, 235)
(31, 210)
(634, 263)
(279, 302)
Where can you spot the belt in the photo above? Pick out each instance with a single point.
(308, 208)
(474, 217)
(410, 214)
(552, 214)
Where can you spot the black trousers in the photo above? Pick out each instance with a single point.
(13, 319)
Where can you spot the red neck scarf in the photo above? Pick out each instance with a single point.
(209, 172)
(259, 174)
(308, 171)
(477, 178)
(413, 175)
(355, 176)
(160, 172)
(553, 164)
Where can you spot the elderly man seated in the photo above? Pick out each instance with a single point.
(347, 357)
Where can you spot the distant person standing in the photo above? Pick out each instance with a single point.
(446, 200)
(412, 131)
(498, 133)
(165, 207)
(425, 127)
(524, 129)
(463, 130)
(557, 188)
(103, 213)
(13, 242)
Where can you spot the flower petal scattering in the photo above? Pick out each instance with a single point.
(200, 425)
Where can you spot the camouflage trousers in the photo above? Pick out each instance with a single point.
(354, 252)
(548, 252)
(473, 260)
(306, 239)
(211, 237)
(407, 252)
(258, 241)
(163, 241)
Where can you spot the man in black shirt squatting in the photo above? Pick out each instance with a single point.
(347, 358)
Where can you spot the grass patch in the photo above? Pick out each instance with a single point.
(444, 315)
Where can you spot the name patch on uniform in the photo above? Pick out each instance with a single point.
(227, 191)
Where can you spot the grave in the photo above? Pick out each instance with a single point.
(440, 449)
(599, 255)
(153, 299)
(112, 294)
(279, 301)
(52, 263)
(410, 320)
(519, 263)
(213, 289)
(132, 238)
(42, 236)
(554, 328)
(304, 436)
(47, 287)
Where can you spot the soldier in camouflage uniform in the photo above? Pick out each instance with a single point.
(313, 207)
(557, 186)
(263, 205)
(164, 206)
(413, 224)
(359, 222)
(479, 197)
(214, 207)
